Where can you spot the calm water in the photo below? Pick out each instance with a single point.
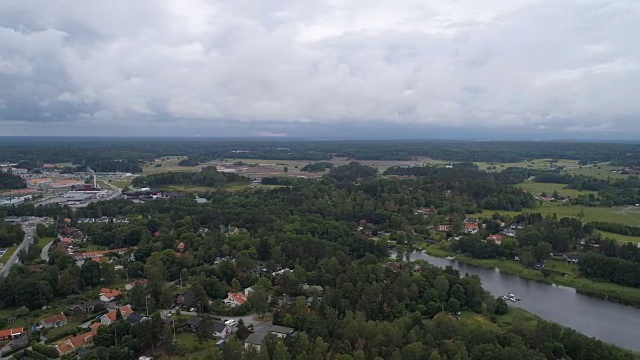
(607, 321)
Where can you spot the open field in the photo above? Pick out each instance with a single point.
(625, 215)
(618, 237)
(542, 164)
(597, 171)
(537, 188)
(229, 187)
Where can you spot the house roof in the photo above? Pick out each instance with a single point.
(256, 338)
(189, 297)
(134, 318)
(471, 226)
(218, 326)
(100, 259)
(76, 342)
(181, 246)
(124, 310)
(95, 326)
(280, 329)
(240, 298)
(84, 305)
(138, 282)
(55, 318)
(110, 293)
(11, 332)
(194, 321)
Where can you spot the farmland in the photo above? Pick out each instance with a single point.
(537, 188)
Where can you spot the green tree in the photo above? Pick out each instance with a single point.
(501, 307)
(259, 300)
(137, 296)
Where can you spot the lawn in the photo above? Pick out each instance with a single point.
(542, 164)
(618, 237)
(538, 188)
(7, 255)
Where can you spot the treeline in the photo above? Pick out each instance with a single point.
(95, 151)
(352, 172)
(616, 228)
(317, 167)
(611, 269)
(211, 178)
(488, 190)
(10, 234)
(10, 181)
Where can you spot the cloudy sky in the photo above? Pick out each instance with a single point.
(321, 68)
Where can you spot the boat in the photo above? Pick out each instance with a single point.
(450, 257)
(510, 297)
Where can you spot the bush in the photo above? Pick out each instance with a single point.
(62, 335)
(34, 355)
(47, 350)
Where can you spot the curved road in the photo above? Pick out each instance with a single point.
(28, 227)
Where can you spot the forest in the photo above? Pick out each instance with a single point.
(209, 176)
(10, 234)
(128, 154)
(10, 181)
(369, 309)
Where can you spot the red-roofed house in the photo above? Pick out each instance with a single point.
(132, 284)
(10, 334)
(100, 259)
(495, 238)
(54, 321)
(110, 317)
(235, 299)
(95, 326)
(108, 295)
(76, 342)
(471, 228)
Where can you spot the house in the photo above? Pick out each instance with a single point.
(193, 324)
(180, 247)
(200, 200)
(11, 334)
(84, 307)
(470, 228)
(495, 238)
(110, 316)
(517, 226)
(471, 220)
(444, 227)
(221, 330)
(311, 288)
(136, 318)
(132, 284)
(235, 299)
(256, 339)
(186, 299)
(77, 342)
(102, 259)
(423, 211)
(54, 321)
(395, 265)
(108, 295)
(509, 232)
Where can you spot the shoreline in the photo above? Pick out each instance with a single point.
(606, 291)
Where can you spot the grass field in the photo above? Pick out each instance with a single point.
(625, 215)
(7, 255)
(620, 238)
(537, 188)
(542, 164)
(597, 171)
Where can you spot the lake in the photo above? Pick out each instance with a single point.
(614, 323)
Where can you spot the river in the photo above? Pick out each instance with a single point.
(614, 323)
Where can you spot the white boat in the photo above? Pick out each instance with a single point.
(510, 297)
(450, 257)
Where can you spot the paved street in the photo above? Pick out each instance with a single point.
(28, 227)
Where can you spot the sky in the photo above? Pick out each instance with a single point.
(503, 69)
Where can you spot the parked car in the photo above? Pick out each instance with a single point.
(231, 322)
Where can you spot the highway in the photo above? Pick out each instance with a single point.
(28, 227)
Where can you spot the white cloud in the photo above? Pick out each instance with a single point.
(522, 64)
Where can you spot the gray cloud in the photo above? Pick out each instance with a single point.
(543, 65)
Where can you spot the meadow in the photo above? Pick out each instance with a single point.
(538, 188)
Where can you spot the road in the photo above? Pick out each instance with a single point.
(44, 255)
(28, 227)
(251, 319)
